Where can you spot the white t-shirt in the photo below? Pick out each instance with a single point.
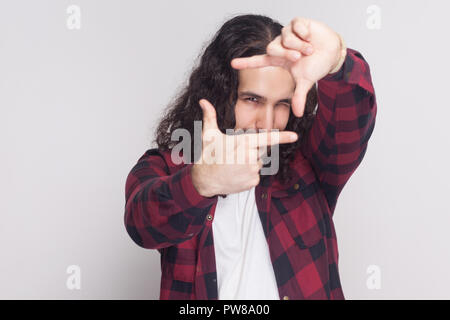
(244, 268)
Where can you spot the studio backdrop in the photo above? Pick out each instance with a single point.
(83, 84)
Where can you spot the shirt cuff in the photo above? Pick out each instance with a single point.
(339, 75)
(190, 192)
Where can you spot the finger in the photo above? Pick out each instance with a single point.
(274, 137)
(260, 163)
(209, 115)
(252, 156)
(257, 61)
(262, 152)
(291, 40)
(299, 98)
(276, 56)
(301, 27)
(277, 49)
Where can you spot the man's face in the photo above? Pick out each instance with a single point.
(263, 100)
(263, 104)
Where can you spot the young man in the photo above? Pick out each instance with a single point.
(225, 231)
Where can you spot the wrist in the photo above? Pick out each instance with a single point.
(199, 183)
(343, 54)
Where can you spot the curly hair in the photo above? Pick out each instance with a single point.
(215, 80)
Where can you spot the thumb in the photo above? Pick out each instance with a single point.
(209, 115)
(299, 98)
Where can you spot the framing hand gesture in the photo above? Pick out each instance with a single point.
(308, 49)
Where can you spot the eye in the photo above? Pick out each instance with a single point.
(249, 99)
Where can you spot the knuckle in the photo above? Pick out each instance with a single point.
(260, 163)
(299, 25)
(289, 40)
(254, 181)
(299, 20)
(296, 21)
(270, 47)
(255, 168)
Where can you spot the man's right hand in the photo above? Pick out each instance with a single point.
(212, 174)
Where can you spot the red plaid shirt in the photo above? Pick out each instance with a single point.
(165, 212)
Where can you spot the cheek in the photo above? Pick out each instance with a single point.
(282, 116)
(243, 114)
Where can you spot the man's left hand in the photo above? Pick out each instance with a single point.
(290, 51)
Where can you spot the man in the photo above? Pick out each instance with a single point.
(225, 231)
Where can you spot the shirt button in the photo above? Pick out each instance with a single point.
(264, 195)
(296, 186)
(285, 298)
(209, 217)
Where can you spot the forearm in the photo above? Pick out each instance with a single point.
(345, 119)
(161, 209)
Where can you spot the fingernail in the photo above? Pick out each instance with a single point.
(309, 50)
(296, 55)
(293, 137)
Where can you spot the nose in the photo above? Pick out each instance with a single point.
(265, 118)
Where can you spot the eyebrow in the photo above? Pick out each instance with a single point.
(252, 94)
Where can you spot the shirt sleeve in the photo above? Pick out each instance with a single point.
(345, 118)
(162, 209)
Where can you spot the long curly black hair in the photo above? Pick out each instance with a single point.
(215, 80)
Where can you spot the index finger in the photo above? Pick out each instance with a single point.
(257, 61)
(264, 139)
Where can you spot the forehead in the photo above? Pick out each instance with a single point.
(266, 80)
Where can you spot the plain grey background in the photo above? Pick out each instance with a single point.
(78, 108)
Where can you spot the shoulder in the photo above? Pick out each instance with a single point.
(157, 157)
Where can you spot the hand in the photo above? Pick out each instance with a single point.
(290, 50)
(212, 174)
